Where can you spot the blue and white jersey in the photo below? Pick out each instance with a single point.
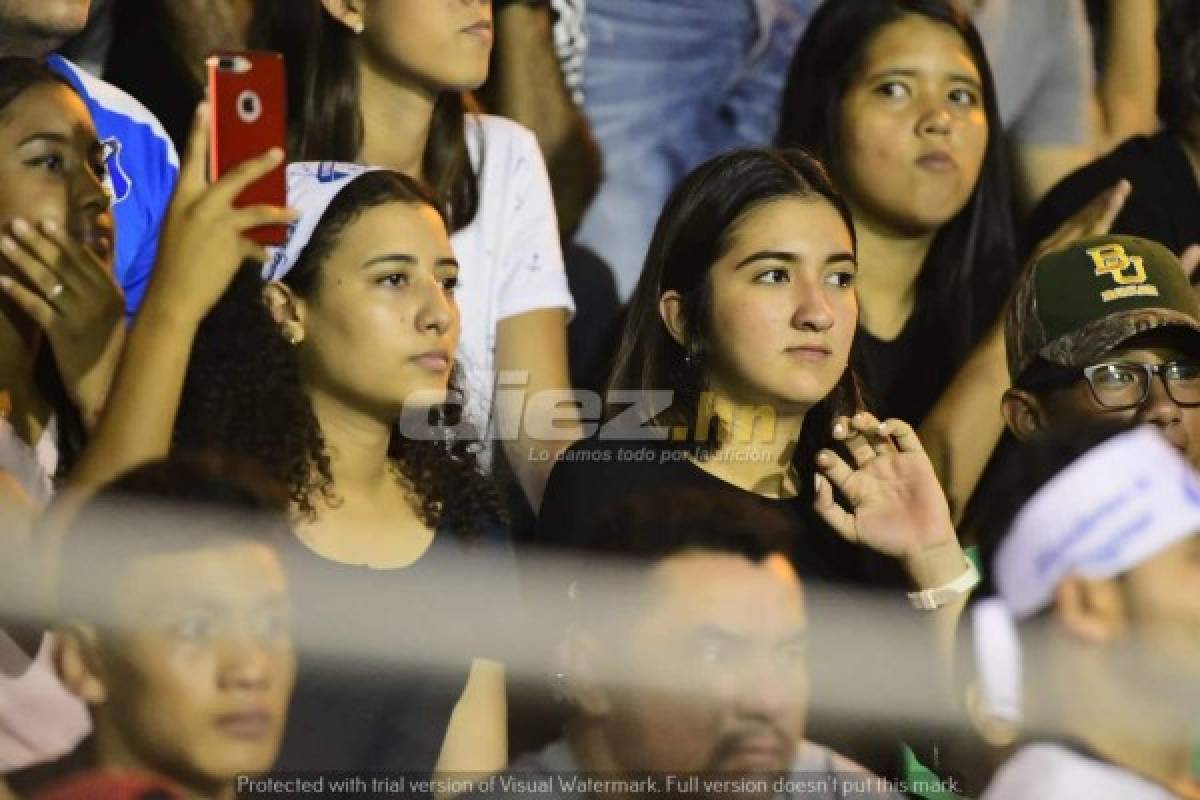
(142, 167)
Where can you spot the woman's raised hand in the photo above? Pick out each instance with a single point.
(1094, 219)
(897, 507)
(70, 293)
(204, 240)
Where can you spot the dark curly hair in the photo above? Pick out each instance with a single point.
(1179, 54)
(244, 392)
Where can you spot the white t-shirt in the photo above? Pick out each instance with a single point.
(1054, 772)
(510, 256)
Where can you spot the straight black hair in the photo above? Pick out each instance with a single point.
(973, 258)
(324, 102)
(691, 236)
(1179, 55)
(17, 76)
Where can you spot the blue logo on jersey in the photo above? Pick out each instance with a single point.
(117, 180)
(328, 172)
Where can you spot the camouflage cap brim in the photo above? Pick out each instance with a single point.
(1092, 342)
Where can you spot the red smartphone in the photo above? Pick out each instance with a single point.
(247, 92)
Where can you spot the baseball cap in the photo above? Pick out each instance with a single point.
(1074, 305)
(311, 187)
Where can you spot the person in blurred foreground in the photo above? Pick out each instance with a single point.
(688, 671)
(1092, 638)
(175, 632)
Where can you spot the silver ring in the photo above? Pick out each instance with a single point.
(56, 291)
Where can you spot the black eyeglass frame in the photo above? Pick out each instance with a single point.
(1150, 371)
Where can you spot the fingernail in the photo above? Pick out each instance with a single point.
(20, 226)
(5, 282)
(7, 244)
(817, 482)
(883, 427)
(275, 154)
(839, 429)
(49, 226)
(823, 457)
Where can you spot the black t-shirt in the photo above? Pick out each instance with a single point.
(379, 699)
(594, 475)
(903, 377)
(1164, 206)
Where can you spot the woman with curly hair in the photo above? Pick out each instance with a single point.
(388, 84)
(356, 327)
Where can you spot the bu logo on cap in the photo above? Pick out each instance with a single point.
(1128, 272)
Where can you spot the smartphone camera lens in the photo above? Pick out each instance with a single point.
(249, 106)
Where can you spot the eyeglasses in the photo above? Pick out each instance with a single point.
(1120, 386)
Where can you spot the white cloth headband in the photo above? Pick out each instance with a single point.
(1113, 508)
(311, 187)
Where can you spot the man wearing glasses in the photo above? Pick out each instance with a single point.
(1106, 329)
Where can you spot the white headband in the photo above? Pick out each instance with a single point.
(1112, 509)
(311, 187)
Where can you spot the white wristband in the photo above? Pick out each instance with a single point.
(933, 599)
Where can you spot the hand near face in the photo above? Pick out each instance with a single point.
(897, 507)
(69, 291)
(1094, 219)
(204, 239)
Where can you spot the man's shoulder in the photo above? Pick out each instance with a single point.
(115, 111)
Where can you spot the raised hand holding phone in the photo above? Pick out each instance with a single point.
(207, 237)
(204, 243)
(247, 95)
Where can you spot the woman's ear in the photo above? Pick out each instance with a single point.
(347, 12)
(286, 309)
(78, 663)
(1092, 611)
(1023, 413)
(670, 308)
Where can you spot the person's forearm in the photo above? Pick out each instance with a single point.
(1129, 82)
(94, 388)
(139, 417)
(527, 86)
(965, 424)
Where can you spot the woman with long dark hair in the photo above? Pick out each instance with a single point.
(387, 84)
(897, 98)
(735, 355)
(311, 376)
(61, 331)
